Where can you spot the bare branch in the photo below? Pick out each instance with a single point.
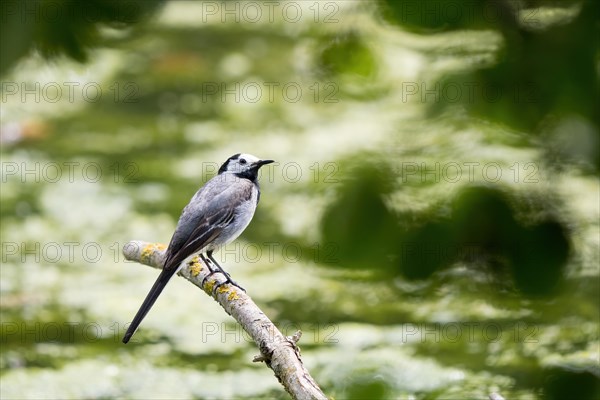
(279, 353)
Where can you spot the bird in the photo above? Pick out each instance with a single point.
(215, 216)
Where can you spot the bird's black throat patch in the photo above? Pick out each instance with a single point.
(250, 174)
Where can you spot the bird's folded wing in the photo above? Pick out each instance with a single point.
(208, 228)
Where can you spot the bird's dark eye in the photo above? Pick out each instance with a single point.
(242, 161)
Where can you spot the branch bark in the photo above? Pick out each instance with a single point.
(280, 353)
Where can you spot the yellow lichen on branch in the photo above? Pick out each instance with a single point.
(279, 352)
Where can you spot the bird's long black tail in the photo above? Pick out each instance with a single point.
(157, 288)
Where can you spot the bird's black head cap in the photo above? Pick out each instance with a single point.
(243, 166)
(226, 163)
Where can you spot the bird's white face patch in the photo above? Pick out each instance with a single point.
(242, 162)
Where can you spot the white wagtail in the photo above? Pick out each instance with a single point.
(217, 214)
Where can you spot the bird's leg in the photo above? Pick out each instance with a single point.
(207, 263)
(221, 270)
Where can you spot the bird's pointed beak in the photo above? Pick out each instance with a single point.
(264, 162)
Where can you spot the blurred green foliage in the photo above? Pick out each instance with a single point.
(428, 16)
(347, 54)
(67, 27)
(562, 383)
(481, 231)
(367, 387)
(544, 70)
(515, 236)
(426, 249)
(359, 221)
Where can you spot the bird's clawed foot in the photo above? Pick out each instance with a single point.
(231, 282)
(217, 268)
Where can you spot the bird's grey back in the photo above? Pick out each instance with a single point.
(223, 192)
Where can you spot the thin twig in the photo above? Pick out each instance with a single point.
(279, 353)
